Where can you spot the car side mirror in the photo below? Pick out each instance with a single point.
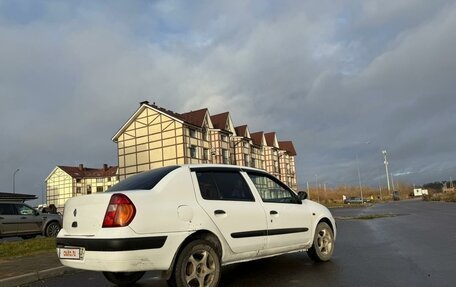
(302, 195)
(36, 213)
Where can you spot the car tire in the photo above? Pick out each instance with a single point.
(123, 278)
(323, 243)
(197, 265)
(52, 229)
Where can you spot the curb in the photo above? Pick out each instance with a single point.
(34, 276)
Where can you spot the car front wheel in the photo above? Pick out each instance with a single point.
(323, 244)
(52, 229)
(123, 278)
(198, 265)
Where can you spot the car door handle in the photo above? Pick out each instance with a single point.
(273, 212)
(23, 217)
(219, 212)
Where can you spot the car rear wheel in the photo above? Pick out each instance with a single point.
(52, 229)
(198, 265)
(123, 278)
(323, 244)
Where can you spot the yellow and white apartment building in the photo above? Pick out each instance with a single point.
(65, 182)
(155, 137)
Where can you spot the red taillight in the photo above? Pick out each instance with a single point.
(120, 212)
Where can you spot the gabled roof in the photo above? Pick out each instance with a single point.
(258, 138)
(219, 120)
(142, 106)
(84, 172)
(271, 139)
(197, 118)
(242, 131)
(288, 147)
(223, 122)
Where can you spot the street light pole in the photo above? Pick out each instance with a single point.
(14, 180)
(359, 180)
(386, 169)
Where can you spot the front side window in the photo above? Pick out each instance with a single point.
(224, 185)
(24, 209)
(271, 190)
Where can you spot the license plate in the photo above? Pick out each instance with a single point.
(70, 253)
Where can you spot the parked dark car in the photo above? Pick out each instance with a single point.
(19, 219)
(350, 200)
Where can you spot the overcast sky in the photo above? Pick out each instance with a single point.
(341, 79)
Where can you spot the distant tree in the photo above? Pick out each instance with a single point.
(435, 186)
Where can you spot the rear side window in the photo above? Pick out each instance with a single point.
(145, 180)
(7, 209)
(223, 185)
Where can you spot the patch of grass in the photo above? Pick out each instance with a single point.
(448, 197)
(26, 247)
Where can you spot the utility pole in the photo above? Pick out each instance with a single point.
(308, 190)
(316, 185)
(386, 169)
(359, 180)
(14, 180)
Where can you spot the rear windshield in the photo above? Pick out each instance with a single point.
(144, 180)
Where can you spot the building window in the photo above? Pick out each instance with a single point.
(99, 189)
(226, 156)
(193, 153)
(78, 190)
(78, 180)
(192, 132)
(109, 178)
(100, 179)
(224, 138)
(89, 189)
(252, 163)
(206, 154)
(205, 135)
(246, 160)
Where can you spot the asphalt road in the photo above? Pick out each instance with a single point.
(416, 246)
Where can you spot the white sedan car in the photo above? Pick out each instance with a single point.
(188, 221)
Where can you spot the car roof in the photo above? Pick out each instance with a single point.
(223, 166)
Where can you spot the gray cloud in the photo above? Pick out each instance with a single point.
(327, 76)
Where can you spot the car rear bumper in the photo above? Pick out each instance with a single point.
(123, 254)
(114, 244)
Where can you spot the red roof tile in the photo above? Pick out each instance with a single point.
(195, 118)
(241, 130)
(219, 121)
(257, 138)
(84, 172)
(270, 138)
(288, 147)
